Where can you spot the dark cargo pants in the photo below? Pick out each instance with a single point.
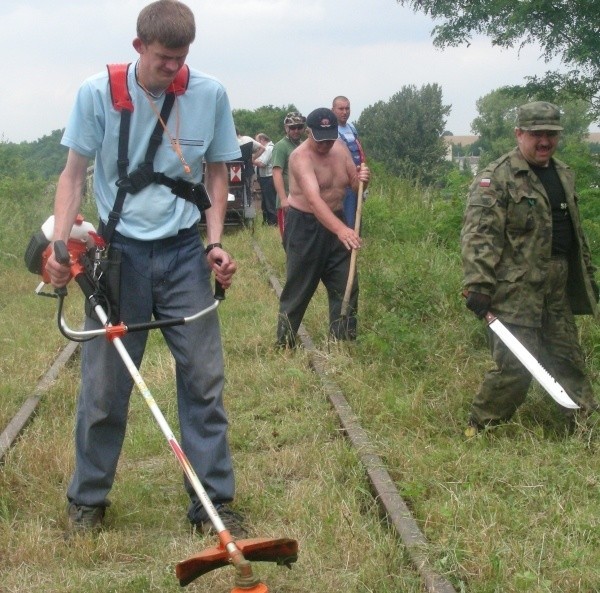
(314, 254)
(556, 347)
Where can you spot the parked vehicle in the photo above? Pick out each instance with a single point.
(240, 204)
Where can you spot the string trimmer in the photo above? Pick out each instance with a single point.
(80, 257)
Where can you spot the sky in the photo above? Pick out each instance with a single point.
(266, 52)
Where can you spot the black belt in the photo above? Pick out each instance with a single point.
(165, 240)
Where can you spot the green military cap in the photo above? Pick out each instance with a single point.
(539, 115)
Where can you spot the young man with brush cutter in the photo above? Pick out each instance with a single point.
(317, 240)
(149, 200)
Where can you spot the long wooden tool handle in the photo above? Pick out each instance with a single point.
(352, 271)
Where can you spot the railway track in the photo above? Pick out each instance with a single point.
(383, 488)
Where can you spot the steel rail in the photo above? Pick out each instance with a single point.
(28, 409)
(385, 491)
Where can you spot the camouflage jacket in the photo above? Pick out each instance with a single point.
(506, 241)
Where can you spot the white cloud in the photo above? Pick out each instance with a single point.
(265, 51)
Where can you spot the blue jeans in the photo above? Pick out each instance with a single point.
(268, 200)
(166, 279)
(350, 206)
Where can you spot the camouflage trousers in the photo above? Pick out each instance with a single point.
(555, 345)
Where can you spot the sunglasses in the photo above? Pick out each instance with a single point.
(540, 133)
(296, 127)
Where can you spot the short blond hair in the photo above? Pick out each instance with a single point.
(168, 22)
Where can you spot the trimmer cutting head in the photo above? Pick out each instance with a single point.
(283, 551)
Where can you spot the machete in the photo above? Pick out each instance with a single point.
(539, 373)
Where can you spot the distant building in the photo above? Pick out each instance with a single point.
(470, 163)
(465, 163)
(462, 140)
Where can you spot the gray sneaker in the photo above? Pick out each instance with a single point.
(233, 523)
(83, 518)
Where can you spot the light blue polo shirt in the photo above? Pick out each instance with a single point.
(206, 131)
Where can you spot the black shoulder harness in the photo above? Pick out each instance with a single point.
(144, 174)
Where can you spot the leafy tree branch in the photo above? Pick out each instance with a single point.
(567, 29)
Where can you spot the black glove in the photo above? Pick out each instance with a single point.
(478, 303)
(595, 289)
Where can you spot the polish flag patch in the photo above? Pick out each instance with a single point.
(485, 182)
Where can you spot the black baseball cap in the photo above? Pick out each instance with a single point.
(323, 124)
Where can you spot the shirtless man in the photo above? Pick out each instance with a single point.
(317, 240)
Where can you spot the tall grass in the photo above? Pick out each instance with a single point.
(296, 476)
(28, 336)
(513, 510)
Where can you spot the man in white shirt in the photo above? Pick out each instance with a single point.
(264, 166)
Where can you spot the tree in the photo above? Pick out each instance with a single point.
(565, 29)
(11, 163)
(405, 133)
(47, 153)
(495, 123)
(267, 119)
(45, 157)
(497, 112)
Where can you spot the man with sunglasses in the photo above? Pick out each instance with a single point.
(294, 124)
(526, 259)
(317, 241)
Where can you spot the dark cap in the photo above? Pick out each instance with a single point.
(293, 118)
(539, 115)
(323, 123)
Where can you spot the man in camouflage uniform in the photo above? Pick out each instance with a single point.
(526, 259)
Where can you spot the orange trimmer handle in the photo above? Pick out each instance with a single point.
(63, 256)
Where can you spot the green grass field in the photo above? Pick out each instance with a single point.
(513, 510)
